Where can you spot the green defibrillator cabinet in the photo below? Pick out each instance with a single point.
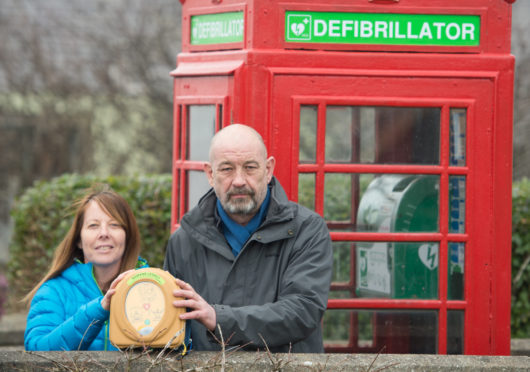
(401, 203)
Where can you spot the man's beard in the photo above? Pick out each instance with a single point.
(240, 206)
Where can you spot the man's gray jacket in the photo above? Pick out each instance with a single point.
(275, 291)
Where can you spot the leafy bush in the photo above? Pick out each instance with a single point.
(43, 214)
(521, 258)
(42, 217)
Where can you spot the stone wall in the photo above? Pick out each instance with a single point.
(253, 361)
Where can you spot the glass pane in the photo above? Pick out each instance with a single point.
(387, 331)
(197, 187)
(457, 204)
(339, 133)
(404, 270)
(381, 203)
(308, 134)
(457, 140)
(306, 190)
(337, 326)
(201, 128)
(455, 287)
(339, 294)
(342, 252)
(455, 332)
(338, 190)
(384, 135)
(365, 325)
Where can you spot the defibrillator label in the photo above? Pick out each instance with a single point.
(218, 28)
(145, 275)
(382, 28)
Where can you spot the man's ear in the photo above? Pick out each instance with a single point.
(271, 162)
(209, 172)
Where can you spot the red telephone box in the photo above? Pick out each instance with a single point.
(393, 120)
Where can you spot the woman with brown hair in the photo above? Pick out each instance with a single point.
(70, 305)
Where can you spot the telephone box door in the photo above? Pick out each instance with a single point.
(394, 164)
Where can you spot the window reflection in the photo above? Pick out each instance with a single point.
(383, 135)
(306, 190)
(404, 270)
(457, 139)
(455, 332)
(387, 331)
(381, 203)
(457, 204)
(201, 128)
(308, 134)
(455, 286)
(197, 186)
(396, 270)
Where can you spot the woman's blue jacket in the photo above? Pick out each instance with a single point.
(66, 313)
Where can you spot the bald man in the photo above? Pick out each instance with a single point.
(248, 261)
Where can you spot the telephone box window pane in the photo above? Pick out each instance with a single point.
(365, 325)
(388, 331)
(455, 332)
(339, 294)
(381, 203)
(306, 190)
(407, 135)
(457, 140)
(308, 134)
(457, 204)
(342, 252)
(337, 325)
(383, 135)
(340, 121)
(397, 270)
(338, 189)
(201, 128)
(197, 186)
(400, 203)
(455, 287)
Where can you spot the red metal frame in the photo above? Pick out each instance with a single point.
(265, 81)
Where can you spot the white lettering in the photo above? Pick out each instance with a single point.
(456, 34)
(398, 35)
(381, 28)
(366, 29)
(320, 27)
(334, 27)
(438, 26)
(468, 29)
(346, 26)
(410, 35)
(425, 31)
(350, 28)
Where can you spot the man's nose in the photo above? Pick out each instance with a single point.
(239, 177)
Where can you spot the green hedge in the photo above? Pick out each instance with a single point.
(42, 217)
(521, 259)
(43, 214)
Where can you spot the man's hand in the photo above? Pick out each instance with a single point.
(200, 309)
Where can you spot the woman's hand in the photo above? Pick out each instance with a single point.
(200, 309)
(105, 302)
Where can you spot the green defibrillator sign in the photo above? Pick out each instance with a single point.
(218, 28)
(382, 28)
